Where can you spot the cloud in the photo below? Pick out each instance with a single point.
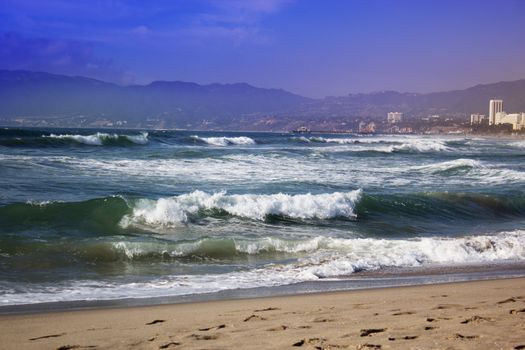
(58, 56)
(120, 21)
(237, 20)
(141, 30)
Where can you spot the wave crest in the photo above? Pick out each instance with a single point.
(452, 165)
(176, 210)
(100, 139)
(225, 141)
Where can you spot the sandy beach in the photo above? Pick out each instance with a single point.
(467, 315)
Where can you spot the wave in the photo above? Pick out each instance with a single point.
(327, 258)
(384, 145)
(451, 166)
(421, 146)
(439, 206)
(361, 253)
(177, 210)
(114, 214)
(302, 139)
(100, 139)
(373, 254)
(477, 170)
(224, 141)
(341, 141)
(517, 144)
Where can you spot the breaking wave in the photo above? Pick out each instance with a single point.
(100, 139)
(383, 145)
(177, 210)
(360, 253)
(112, 214)
(450, 166)
(372, 254)
(421, 146)
(224, 141)
(327, 258)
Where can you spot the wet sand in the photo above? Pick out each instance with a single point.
(466, 315)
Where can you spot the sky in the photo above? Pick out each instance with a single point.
(315, 48)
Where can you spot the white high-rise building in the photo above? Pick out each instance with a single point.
(495, 106)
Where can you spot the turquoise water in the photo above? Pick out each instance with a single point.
(97, 214)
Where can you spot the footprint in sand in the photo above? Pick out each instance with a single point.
(406, 337)
(368, 346)
(476, 319)
(48, 336)
(278, 328)
(204, 336)
(169, 345)
(254, 317)
(370, 331)
(221, 326)
(309, 341)
(155, 322)
(267, 309)
(403, 313)
(514, 312)
(467, 337)
(509, 300)
(446, 306)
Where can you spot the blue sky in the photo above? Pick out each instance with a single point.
(313, 47)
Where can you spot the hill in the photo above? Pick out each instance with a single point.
(78, 101)
(177, 104)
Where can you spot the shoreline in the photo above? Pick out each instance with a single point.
(477, 314)
(366, 280)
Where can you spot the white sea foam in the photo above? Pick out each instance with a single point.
(361, 253)
(421, 146)
(225, 141)
(450, 165)
(175, 210)
(372, 254)
(331, 257)
(386, 144)
(99, 138)
(517, 144)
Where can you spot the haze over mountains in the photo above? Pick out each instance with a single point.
(37, 98)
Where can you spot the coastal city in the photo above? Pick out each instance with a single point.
(498, 121)
(495, 121)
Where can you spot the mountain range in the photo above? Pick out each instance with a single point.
(41, 96)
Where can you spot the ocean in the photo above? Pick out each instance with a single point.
(103, 215)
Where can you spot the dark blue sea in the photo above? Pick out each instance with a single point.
(114, 214)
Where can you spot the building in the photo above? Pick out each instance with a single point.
(477, 119)
(301, 130)
(495, 106)
(365, 128)
(394, 117)
(516, 119)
